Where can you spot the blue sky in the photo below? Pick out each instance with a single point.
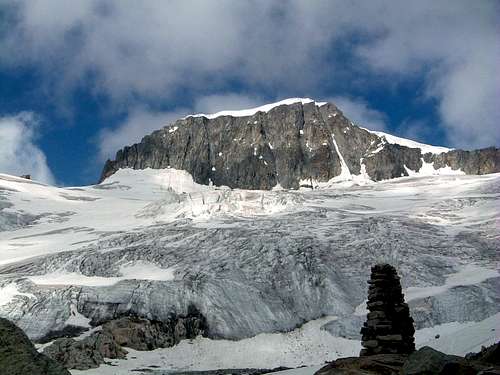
(80, 79)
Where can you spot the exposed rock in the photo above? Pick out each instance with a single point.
(425, 361)
(490, 354)
(482, 161)
(290, 144)
(143, 334)
(89, 352)
(132, 332)
(18, 356)
(384, 364)
(389, 327)
(430, 361)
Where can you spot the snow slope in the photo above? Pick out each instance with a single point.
(255, 263)
(263, 108)
(389, 138)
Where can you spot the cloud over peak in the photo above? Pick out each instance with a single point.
(19, 153)
(154, 50)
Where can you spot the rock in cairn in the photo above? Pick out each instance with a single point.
(389, 326)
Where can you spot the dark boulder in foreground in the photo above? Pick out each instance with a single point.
(425, 361)
(490, 354)
(18, 355)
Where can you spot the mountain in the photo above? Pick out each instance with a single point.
(290, 143)
(275, 277)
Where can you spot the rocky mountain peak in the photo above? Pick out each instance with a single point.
(292, 143)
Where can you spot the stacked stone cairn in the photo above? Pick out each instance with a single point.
(389, 326)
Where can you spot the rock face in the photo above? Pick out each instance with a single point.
(143, 334)
(18, 356)
(84, 354)
(430, 361)
(131, 332)
(389, 327)
(489, 354)
(290, 145)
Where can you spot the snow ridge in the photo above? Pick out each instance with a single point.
(253, 111)
(409, 143)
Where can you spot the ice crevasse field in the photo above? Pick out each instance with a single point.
(156, 228)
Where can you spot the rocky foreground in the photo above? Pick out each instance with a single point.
(425, 361)
(388, 340)
(18, 356)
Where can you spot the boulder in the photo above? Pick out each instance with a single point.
(428, 361)
(84, 354)
(18, 355)
(131, 332)
(381, 364)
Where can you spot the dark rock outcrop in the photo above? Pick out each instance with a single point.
(18, 355)
(89, 352)
(143, 334)
(490, 354)
(482, 161)
(430, 361)
(425, 361)
(287, 145)
(389, 326)
(385, 364)
(131, 332)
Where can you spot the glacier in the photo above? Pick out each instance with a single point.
(281, 272)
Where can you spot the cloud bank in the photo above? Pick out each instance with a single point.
(154, 50)
(142, 121)
(358, 111)
(19, 153)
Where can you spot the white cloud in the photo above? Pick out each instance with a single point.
(154, 50)
(452, 46)
(138, 123)
(19, 153)
(143, 121)
(358, 111)
(225, 102)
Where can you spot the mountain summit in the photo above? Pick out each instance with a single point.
(290, 143)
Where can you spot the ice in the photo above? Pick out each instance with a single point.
(137, 236)
(468, 275)
(9, 292)
(408, 143)
(77, 319)
(345, 174)
(136, 271)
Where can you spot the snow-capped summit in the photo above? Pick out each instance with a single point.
(291, 143)
(262, 108)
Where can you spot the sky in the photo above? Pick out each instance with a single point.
(80, 79)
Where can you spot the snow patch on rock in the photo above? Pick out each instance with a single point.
(263, 108)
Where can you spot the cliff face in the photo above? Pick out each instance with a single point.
(290, 145)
